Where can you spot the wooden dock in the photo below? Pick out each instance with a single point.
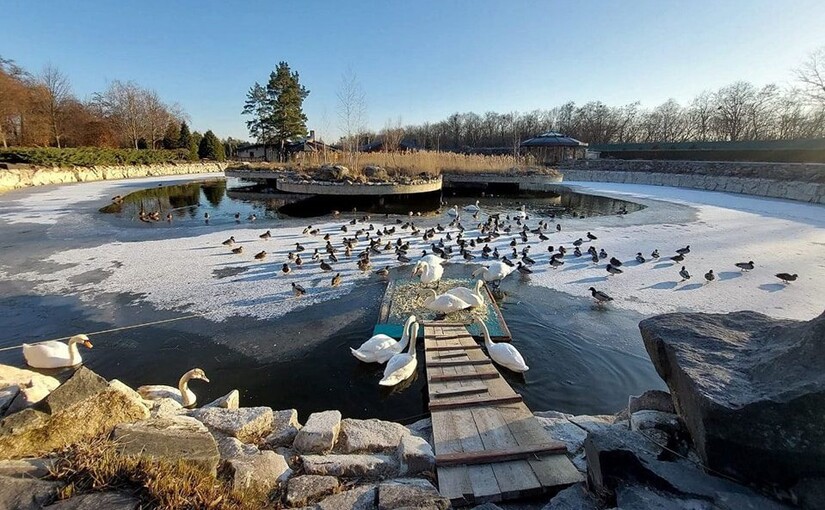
(488, 445)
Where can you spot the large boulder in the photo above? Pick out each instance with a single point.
(308, 488)
(21, 388)
(359, 498)
(264, 469)
(107, 500)
(319, 433)
(370, 435)
(248, 424)
(365, 466)
(178, 438)
(409, 493)
(26, 493)
(285, 427)
(749, 388)
(83, 407)
(415, 455)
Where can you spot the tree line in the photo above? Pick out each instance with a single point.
(736, 112)
(40, 110)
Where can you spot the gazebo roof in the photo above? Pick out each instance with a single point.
(552, 139)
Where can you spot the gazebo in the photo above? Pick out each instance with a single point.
(552, 148)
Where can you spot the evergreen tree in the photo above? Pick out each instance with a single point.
(210, 147)
(194, 144)
(170, 137)
(184, 137)
(277, 109)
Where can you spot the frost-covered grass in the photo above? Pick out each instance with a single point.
(198, 274)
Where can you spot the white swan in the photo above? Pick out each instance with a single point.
(182, 394)
(55, 354)
(401, 366)
(453, 211)
(445, 303)
(430, 273)
(495, 272)
(502, 353)
(381, 348)
(472, 208)
(430, 259)
(471, 297)
(522, 213)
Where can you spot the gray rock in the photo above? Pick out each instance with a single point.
(81, 385)
(31, 387)
(179, 438)
(7, 395)
(637, 497)
(264, 469)
(574, 497)
(231, 400)
(232, 448)
(369, 466)
(422, 428)
(308, 488)
(651, 400)
(744, 386)
(410, 493)
(592, 423)
(487, 506)
(617, 456)
(359, 498)
(26, 494)
(25, 468)
(370, 436)
(319, 433)
(165, 408)
(552, 414)
(285, 427)
(249, 424)
(643, 420)
(562, 429)
(101, 500)
(415, 455)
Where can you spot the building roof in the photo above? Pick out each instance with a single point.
(552, 139)
(800, 144)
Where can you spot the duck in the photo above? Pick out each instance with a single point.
(683, 251)
(655, 254)
(325, 267)
(402, 365)
(472, 207)
(473, 298)
(380, 348)
(787, 277)
(55, 354)
(599, 296)
(677, 258)
(229, 242)
(238, 250)
(684, 273)
(522, 213)
(555, 263)
(260, 255)
(495, 272)
(745, 266)
(336, 280)
(615, 262)
(639, 258)
(502, 353)
(429, 273)
(383, 273)
(286, 269)
(709, 276)
(266, 235)
(182, 394)
(444, 303)
(613, 270)
(521, 268)
(298, 290)
(591, 236)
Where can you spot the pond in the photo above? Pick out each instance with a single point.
(583, 358)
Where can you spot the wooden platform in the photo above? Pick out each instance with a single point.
(488, 445)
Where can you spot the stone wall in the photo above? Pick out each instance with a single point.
(801, 182)
(16, 178)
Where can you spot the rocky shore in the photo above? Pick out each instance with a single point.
(26, 176)
(740, 429)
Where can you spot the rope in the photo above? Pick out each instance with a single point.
(121, 328)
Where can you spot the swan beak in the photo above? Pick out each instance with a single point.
(87, 344)
(205, 378)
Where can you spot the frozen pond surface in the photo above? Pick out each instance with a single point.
(68, 268)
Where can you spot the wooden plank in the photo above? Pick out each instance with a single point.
(386, 303)
(482, 477)
(453, 482)
(449, 355)
(474, 402)
(456, 392)
(460, 362)
(438, 348)
(503, 455)
(464, 377)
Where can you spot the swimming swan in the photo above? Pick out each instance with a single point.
(401, 366)
(182, 394)
(453, 211)
(502, 353)
(522, 213)
(472, 208)
(445, 303)
(381, 348)
(55, 354)
(471, 297)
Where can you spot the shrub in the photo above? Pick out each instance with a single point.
(89, 156)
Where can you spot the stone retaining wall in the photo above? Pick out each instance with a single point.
(801, 182)
(24, 177)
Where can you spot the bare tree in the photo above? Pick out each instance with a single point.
(352, 113)
(391, 135)
(56, 91)
(812, 75)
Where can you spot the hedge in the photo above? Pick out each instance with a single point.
(90, 156)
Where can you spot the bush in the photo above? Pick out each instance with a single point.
(89, 156)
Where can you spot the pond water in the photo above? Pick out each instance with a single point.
(583, 358)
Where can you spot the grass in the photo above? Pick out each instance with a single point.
(414, 164)
(90, 156)
(95, 466)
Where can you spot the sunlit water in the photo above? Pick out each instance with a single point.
(583, 358)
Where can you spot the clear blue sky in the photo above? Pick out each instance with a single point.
(420, 60)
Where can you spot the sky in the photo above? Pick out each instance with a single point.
(417, 60)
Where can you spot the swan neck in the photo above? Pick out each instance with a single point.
(487, 340)
(413, 338)
(73, 352)
(183, 386)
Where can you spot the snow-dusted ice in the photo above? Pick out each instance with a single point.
(721, 229)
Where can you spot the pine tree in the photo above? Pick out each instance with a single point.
(170, 137)
(194, 144)
(210, 147)
(184, 137)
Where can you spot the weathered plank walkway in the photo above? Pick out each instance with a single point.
(488, 445)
